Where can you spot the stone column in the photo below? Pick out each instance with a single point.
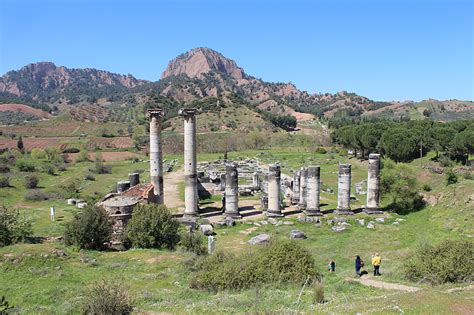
(274, 191)
(255, 180)
(134, 179)
(313, 186)
(232, 191)
(190, 163)
(373, 184)
(302, 201)
(344, 190)
(156, 153)
(296, 188)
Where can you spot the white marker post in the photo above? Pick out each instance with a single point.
(211, 244)
(52, 213)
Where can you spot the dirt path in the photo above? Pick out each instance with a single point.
(370, 282)
(171, 189)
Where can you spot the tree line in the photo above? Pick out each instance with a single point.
(405, 141)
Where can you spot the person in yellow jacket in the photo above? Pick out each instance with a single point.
(376, 261)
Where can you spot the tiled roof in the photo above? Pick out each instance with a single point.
(140, 190)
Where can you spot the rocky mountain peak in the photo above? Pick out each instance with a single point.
(198, 61)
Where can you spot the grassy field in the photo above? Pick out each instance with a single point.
(37, 281)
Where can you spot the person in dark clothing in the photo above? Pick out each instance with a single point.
(358, 265)
(332, 266)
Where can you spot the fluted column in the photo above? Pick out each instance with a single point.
(302, 201)
(296, 188)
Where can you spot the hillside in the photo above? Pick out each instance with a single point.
(199, 75)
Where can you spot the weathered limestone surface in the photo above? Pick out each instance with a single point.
(134, 179)
(156, 153)
(344, 190)
(296, 188)
(274, 191)
(232, 191)
(373, 184)
(313, 187)
(190, 162)
(302, 201)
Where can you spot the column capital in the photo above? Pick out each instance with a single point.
(154, 112)
(187, 112)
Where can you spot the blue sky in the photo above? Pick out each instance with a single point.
(382, 49)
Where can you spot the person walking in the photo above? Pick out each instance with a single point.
(332, 266)
(358, 265)
(376, 261)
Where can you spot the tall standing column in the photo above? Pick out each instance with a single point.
(255, 180)
(274, 175)
(296, 188)
(190, 162)
(156, 153)
(232, 191)
(313, 186)
(344, 190)
(373, 184)
(302, 201)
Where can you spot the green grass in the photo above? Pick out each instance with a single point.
(158, 280)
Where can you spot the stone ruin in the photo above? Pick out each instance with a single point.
(223, 176)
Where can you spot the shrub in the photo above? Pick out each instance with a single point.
(36, 195)
(25, 165)
(4, 168)
(38, 154)
(14, 227)
(69, 189)
(101, 168)
(282, 261)
(445, 161)
(152, 226)
(90, 229)
(4, 306)
(89, 176)
(451, 177)
(468, 175)
(193, 242)
(83, 156)
(450, 261)
(426, 187)
(318, 291)
(49, 169)
(4, 181)
(106, 297)
(31, 181)
(321, 150)
(71, 150)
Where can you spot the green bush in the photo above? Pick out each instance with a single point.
(31, 181)
(451, 177)
(48, 169)
(90, 229)
(106, 297)
(38, 154)
(4, 168)
(14, 227)
(4, 181)
(318, 291)
(69, 189)
(101, 168)
(25, 165)
(321, 150)
(450, 261)
(4, 306)
(83, 156)
(426, 187)
(282, 261)
(152, 226)
(36, 195)
(194, 242)
(89, 176)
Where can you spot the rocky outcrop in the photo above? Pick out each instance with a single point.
(199, 61)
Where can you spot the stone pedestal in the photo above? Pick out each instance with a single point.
(190, 163)
(274, 174)
(373, 185)
(156, 154)
(232, 192)
(313, 186)
(344, 190)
